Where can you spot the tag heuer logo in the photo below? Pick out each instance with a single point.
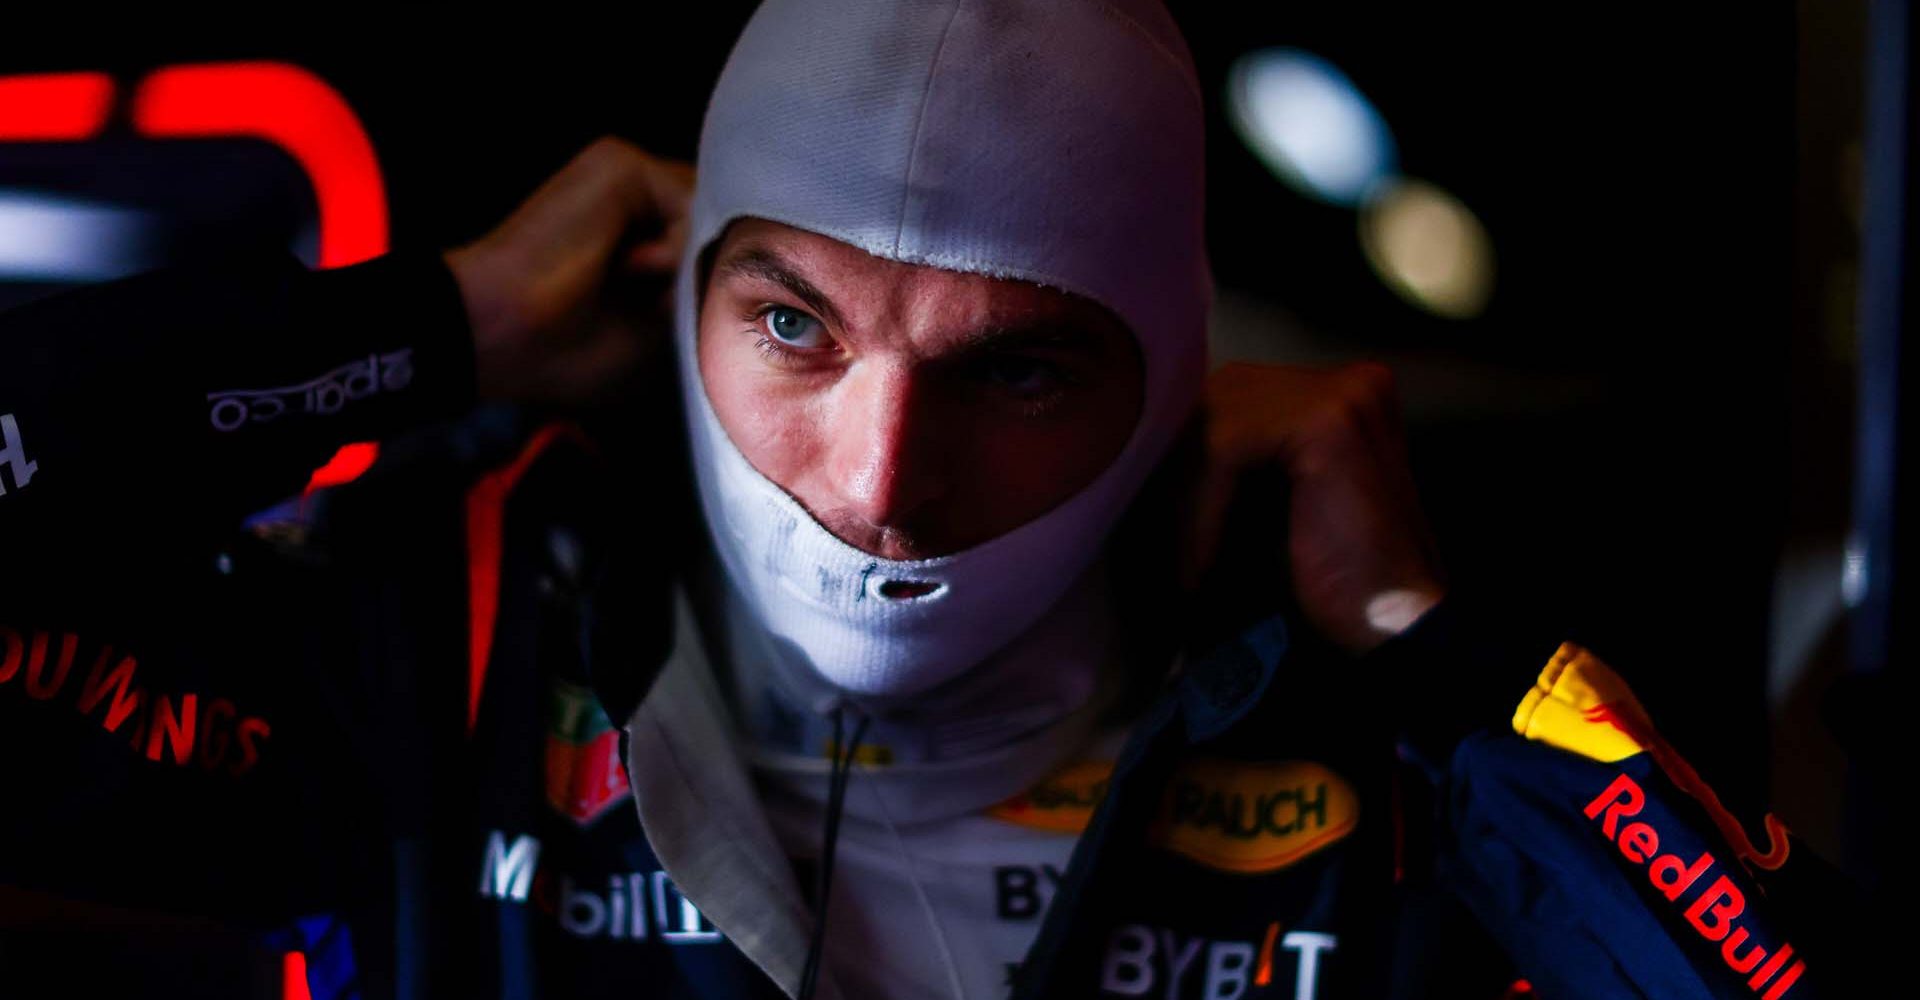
(585, 775)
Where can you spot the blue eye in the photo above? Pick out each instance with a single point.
(789, 325)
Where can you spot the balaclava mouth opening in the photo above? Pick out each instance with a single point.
(1052, 141)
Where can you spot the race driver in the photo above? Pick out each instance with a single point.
(938, 314)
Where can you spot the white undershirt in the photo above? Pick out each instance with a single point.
(935, 895)
(938, 909)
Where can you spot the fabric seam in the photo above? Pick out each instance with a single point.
(919, 124)
(1179, 65)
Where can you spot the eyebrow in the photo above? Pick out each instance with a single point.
(1058, 332)
(763, 264)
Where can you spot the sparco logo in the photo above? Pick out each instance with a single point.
(323, 395)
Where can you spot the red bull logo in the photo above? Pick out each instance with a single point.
(1579, 704)
(1715, 913)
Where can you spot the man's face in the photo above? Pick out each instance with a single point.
(913, 411)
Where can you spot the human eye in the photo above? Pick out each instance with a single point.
(791, 327)
(1035, 385)
(786, 334)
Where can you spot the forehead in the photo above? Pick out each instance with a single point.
(755, 250)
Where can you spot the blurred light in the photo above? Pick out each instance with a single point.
(294, 109)
(54, 107)
(293, 976)
(1428, 247)
(1853, 574)
(1390, 612)
(346, 465)
(1309, 124)
(53, 238)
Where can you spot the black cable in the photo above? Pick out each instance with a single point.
(838, 776)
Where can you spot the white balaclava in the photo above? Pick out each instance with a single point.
(1053, 141)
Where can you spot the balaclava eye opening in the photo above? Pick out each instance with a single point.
(1054, 141)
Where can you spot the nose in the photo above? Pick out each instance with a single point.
(884, 462)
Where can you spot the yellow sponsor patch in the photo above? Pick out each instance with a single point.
(1061, 803)
(866, 754)
(1579, 704)
(1253, 816)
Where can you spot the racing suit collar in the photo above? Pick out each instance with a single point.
(703, 819)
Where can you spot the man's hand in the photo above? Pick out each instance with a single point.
(1362, 559)
(574, 289)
